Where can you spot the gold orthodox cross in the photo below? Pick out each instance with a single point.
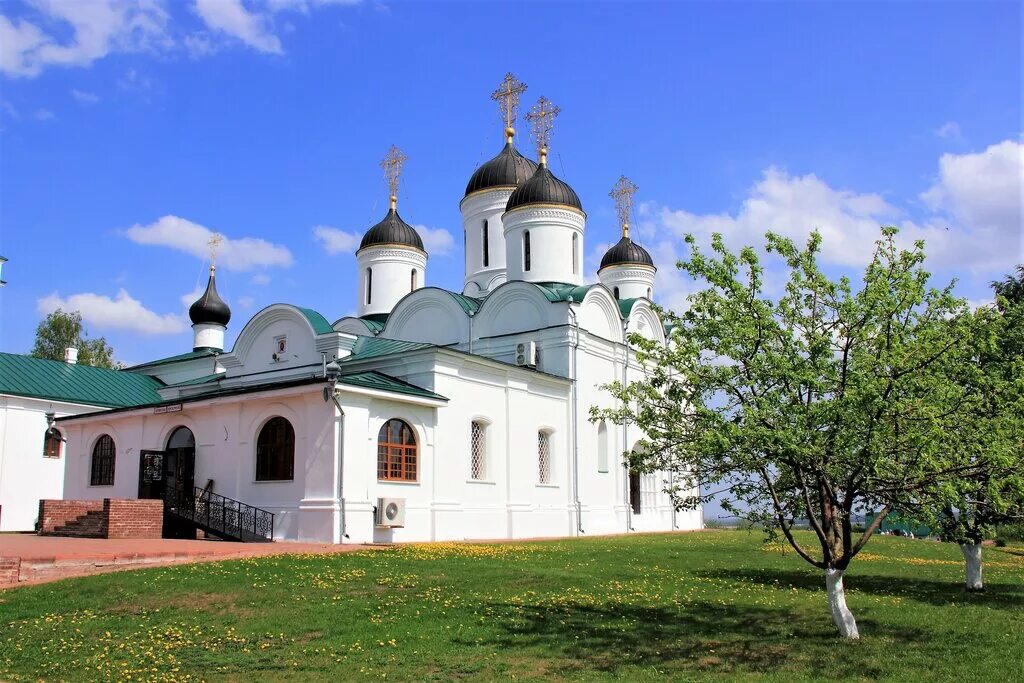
(507, 97)
(392, 165)
(214, 244)
(622, 193)
(542, 120)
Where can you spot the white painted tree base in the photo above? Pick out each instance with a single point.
(972, 558)
(841, 614)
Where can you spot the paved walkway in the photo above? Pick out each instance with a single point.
(48, 558)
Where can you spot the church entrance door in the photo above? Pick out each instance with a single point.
(180, 463)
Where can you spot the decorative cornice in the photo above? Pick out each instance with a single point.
(628, 269)
(543, 205)
(395, 248)
(505, 190)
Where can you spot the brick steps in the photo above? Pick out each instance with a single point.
(89, 525)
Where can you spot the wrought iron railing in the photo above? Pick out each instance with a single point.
(221, 515)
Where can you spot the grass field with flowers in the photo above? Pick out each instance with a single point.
(715, 605)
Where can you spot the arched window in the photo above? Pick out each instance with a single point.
(575, 254)
(52, 442)
(486, 247)
(544, 457)
(412, 280)
(648, 292)
(275, 451)
(616, 292)
(103, 456)
(526, 251)
(634, 491)
(602, 446)
(478, 450)
(369, 285)
(396, 452)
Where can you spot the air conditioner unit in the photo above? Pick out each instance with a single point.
(391, 512)
(526, 354)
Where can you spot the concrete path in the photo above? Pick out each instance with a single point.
(30, 559)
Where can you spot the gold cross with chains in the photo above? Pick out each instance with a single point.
(507, 97)
(542, 120)
(214, 244)
(392, 165)
(622, 193)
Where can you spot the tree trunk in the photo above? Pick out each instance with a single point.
(841, 614)
(972, 555)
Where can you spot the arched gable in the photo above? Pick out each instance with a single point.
(517, 307)
(357, 326)
(430, 315)
(599, 314)
(257, 342)
(643, 320)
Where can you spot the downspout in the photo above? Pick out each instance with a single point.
(575, 423)
(339, 457)
(625, 437)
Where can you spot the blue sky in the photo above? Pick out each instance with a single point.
(128, 130)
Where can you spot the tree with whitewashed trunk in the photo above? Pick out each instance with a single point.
(967, 510)
(805, 407)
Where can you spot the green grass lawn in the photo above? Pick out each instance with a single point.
(718, 605)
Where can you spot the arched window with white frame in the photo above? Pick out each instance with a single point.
(575, 254)
(369, 285)
(478, 450)
(485, 242)
(526, 251)
(544, 468)
(53, 442)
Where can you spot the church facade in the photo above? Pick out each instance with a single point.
(429, 415)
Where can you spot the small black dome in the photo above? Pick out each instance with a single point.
(210, 308)
(626, 251)
(392, 230)
(508, 169)
(543, 188)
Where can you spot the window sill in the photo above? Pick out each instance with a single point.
(101, 486)
(481, 481)
(398, 482)
(547, 486)
(273, 481)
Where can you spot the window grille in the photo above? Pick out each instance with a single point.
(649, 491)
(275, 451)
(104, 454)
(543, 457)
(478, 451)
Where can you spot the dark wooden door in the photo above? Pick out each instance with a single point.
(151, 474)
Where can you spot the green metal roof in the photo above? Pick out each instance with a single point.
(371, 347)
(625, 306)
(382, 382)
(319, 323)
(469, 304)
(201, 353)
(561, 291)
(376, 317)
(199, 380)
(84, 384)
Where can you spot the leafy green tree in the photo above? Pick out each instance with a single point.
(814, 405)
(990, 442)
(61, 330)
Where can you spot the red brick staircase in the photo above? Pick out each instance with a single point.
(89, 525)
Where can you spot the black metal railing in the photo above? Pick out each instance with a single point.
(223, 516)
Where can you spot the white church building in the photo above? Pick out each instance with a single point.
(429, 415)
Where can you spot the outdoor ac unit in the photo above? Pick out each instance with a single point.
(391, 512)
(526, 354)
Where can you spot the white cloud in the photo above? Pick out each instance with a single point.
(44, 115)
(85, 97)
(983, 191)
(230, 17)
(120, 313)
(9, 109)
(96, 27)
(335, 241)
(305, 5)
(246, 302)
(190, 298)
(975, 225)
(437, 241)
(949, 131)
(239, 254)
(260, 279)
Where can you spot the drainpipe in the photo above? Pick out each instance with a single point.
(575, 423)
(339, 457)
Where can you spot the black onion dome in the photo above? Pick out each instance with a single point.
(392, 230)
(543, 188)
(508, 169)
(626, 251)
(210, 308)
